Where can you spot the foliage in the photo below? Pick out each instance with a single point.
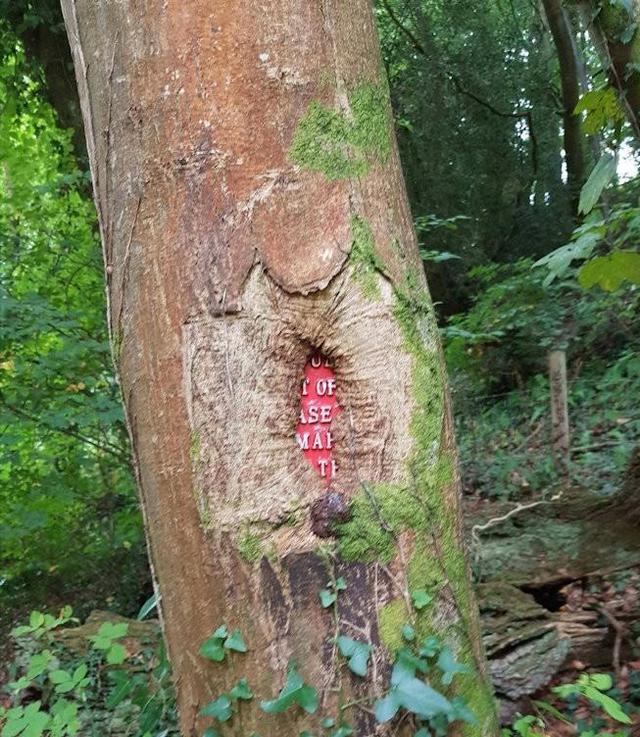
(408, 690)
(216, 647)
(612, 232)
(66, 491)
(93, 693)
(497, 356)
(592, 687)
(504, 439)
(295, 692)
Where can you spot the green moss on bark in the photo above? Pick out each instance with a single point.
(391, 619)
(366, 262)
(250, 547)
(342, 145)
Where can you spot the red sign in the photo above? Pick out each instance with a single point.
(318, 407)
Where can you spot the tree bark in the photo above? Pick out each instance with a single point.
(559, 410)
(562, 33)
(253, 214)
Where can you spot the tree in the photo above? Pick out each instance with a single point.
(253, 217)
(562, 33)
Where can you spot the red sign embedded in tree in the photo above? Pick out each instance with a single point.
(318, 407)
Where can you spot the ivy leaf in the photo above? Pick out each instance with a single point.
(415, 696)
(430, 647)
(406, 665)
(386, 708)
(327, 722)
(343, 731)
(219, 709)
(294, 692)
(327, 598)
(461, 711)
(235, 642)
(449, 666)
(210, 732)
(421, 599)
(341, 584)
(212, 649)
(241, 690)
(601, 175)
(408, 633)
(357, 652)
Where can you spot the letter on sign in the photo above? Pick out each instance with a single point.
(318, 407)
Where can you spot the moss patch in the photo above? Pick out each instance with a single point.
(344, 145)
(391, 619)
(364, 537)
(366, 262)
(250, 547)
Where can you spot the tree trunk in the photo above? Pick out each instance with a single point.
(253, 215)
(562, 33)
(559, 410)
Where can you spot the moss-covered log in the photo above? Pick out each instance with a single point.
(253, 214)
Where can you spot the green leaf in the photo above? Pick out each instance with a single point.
(430, 647)
(344, 731)
(406, 665)
(212, 649)
(327, 598)
(449, 666)
(386, 708)
(235, 642)
(609, 272)
(123, 687)
(38, 664)
(601, 175)
(294, 692)
(150, 604)
(59, 676)
(408, 633)
(241, 690)
(601, 681)
(461, 711)
(341, 584)
(421, 599)
(220, 709)
(415, 696)
(357, 652)
(328, 722)
(36, 619)
(308, 699)
(112, 630)
(116, 654)
(211, 732)
(612, 707)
